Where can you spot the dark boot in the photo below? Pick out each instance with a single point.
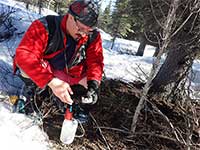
(80, 114)
(29, 92)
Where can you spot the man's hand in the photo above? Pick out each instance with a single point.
(62, 90)
(92, 93)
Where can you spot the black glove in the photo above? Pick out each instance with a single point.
(91, 96)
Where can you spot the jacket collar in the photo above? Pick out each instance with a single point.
(63, 24)
(64, 29)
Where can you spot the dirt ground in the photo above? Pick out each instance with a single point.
(110, 123)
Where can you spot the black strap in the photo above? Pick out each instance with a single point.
(92, 37)
(55, 34)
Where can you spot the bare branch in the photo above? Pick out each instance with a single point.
(156, 64)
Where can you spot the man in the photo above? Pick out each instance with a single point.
(60, 52)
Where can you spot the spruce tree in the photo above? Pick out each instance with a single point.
(105, 18)
(120, 20)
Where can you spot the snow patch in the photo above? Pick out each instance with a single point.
(20, 132)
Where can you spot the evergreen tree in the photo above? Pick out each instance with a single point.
(105, 18)
(120, 20)
(146, 15)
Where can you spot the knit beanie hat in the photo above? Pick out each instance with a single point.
(86, 11)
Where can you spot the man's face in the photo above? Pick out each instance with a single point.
(76, 29)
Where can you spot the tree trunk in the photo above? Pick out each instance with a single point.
(113, 42)
(27, 6)
(140, 51)
(116, 31)
(175, 68)
(56, 7)
(156, 52)
(40, 6)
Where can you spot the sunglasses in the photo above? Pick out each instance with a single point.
(83, 28)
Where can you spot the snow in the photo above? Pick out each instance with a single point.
(19, 132)
(124, 67)
(22, 131)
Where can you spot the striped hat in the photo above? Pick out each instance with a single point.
(86, 11)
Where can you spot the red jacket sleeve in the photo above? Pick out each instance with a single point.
(94, 61)
(29, 54)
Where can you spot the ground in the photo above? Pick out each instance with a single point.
(111, 123)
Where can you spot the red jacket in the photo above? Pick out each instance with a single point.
(30, 55)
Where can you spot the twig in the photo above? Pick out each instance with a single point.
(156, 65)
(167, 119)
(47, 113)
(115, 129)
(153, 12)
(157, 135)
(100, 131)
(169, 122)
(163, 137)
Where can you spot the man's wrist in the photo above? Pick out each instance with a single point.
(93, 84)
(50, 82)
